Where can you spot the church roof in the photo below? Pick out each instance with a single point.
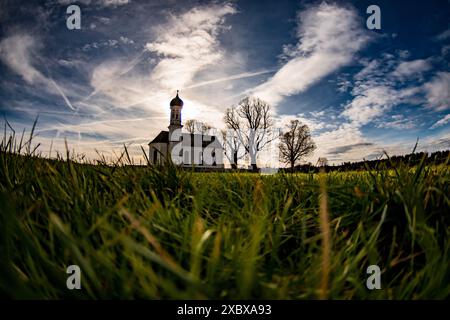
(162, 137)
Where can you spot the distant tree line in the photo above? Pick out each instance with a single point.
(411, 159)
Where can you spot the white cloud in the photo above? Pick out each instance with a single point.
(345, 134)
(187, 44)
(242, 75)
(107, 43)
(371, 68)
(441, 122)
(404, 54)
(110, 79)
(312, 120)
(397, 122)
(444, 35)
(371, 102)
(100, 3)
(126, 40)
(104, 20)
(329, 36)
(376, 90)
(413, 68)
(438, 91)
(16, 52)
(112, 42)
(113, 3)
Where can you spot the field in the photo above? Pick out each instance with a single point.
(147, 232)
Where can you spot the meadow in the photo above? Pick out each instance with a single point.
(164, 233)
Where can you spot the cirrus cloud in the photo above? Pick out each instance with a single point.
(329, 36)
(438, 91)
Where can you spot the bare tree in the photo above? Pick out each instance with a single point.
(203, 127)
(296, 143)
(232, 147)
(189, 125)
(251, 122)
(194, 126)
(322, 162)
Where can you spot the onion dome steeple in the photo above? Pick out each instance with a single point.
(176, 101)
(175, 113)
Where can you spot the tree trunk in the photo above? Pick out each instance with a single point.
(292, 166)
(253, 160)
(235, 160)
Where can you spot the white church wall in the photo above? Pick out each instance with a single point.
(158, 153)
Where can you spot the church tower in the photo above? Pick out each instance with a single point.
(175, 122)
(175, 113)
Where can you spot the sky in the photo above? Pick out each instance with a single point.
(360, 91)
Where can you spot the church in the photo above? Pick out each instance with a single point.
(185, 149)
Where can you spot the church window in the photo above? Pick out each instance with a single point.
(155, 155)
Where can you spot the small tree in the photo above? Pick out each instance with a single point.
(193, 126)
(203, 127)
(322, 162)
(232, 147)
(296, 143)
(189, 125)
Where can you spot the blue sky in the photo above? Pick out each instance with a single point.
(361, 91)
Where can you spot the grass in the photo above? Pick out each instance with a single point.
(158, 232)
